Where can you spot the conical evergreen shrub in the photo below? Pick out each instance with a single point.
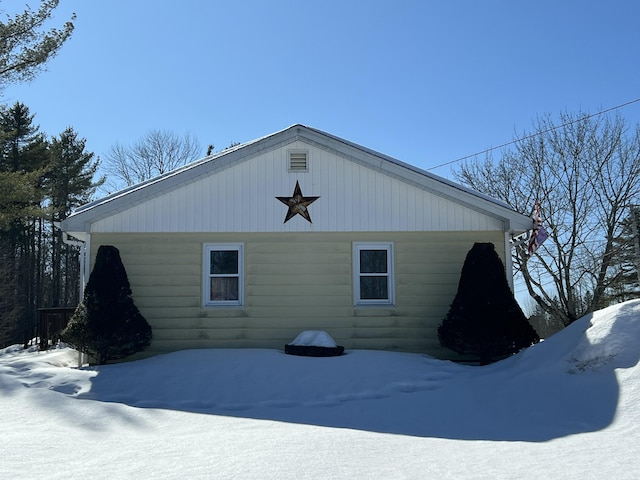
(485, 319)
(107, 325)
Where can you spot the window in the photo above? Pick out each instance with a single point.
(298, 161)
(373, 273)
(223, 274)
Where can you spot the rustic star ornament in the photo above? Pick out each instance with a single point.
(297, 204)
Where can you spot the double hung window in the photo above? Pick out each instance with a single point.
(223, 274)
(373, 273)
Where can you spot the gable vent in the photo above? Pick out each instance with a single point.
(298, 162)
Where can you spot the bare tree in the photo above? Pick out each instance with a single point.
(586, 175)
(158, 152)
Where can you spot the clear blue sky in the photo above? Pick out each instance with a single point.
(423, 81)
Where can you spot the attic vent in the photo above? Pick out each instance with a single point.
(298, 161)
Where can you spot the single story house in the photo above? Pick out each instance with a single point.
(299, 230)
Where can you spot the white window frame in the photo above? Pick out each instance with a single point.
(388, 247)
(207, 276)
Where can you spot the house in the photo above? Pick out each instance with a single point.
(299, 230)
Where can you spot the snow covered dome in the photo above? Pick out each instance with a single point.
(314, 343)
(314, 338)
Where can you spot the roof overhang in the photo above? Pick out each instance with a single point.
(78, 224)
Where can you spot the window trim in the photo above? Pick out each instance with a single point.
(357, 248)
(206, 274)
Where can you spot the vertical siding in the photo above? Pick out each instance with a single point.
(294, 282)
(353, 197)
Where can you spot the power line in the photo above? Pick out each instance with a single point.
(535, 134)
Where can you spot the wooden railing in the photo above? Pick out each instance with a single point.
(46, 332)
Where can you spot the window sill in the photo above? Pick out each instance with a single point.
(222, 305)
(374, 305)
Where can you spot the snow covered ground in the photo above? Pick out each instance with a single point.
(566, 408)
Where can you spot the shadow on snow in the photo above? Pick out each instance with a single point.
(540, 394)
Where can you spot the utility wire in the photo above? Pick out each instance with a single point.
(527, 137)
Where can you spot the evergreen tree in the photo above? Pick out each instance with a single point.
(69, 178)
(40, 184)
(484, 318)
(10, 312)
(544, 323)
(25, 47)
(107, 325)
(23, 160)
(18, 199)
(622, 282)
(68, 184)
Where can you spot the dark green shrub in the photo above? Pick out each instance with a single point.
(484, 319)
(107, 325)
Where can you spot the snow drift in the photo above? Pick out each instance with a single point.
(579, 388)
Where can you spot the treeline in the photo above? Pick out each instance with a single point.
(42, 180)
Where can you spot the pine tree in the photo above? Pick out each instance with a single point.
(107, 325)
(622, 281)
(484, 318)
(25, 46)
(544, 323)
(40, 183)
(68, 184)
(23, 159)
(70, 174)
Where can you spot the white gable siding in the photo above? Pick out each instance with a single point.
(241, 198)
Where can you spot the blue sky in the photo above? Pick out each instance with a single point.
(426, 82)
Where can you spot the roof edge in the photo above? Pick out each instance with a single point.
(103, 207)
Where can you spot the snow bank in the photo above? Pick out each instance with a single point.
(565, 408)
(611, 340)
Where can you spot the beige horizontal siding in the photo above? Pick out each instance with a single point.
(294, 282)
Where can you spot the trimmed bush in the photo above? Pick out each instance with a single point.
(107, 325)
(484, 319)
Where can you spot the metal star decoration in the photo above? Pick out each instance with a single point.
(297, 204)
